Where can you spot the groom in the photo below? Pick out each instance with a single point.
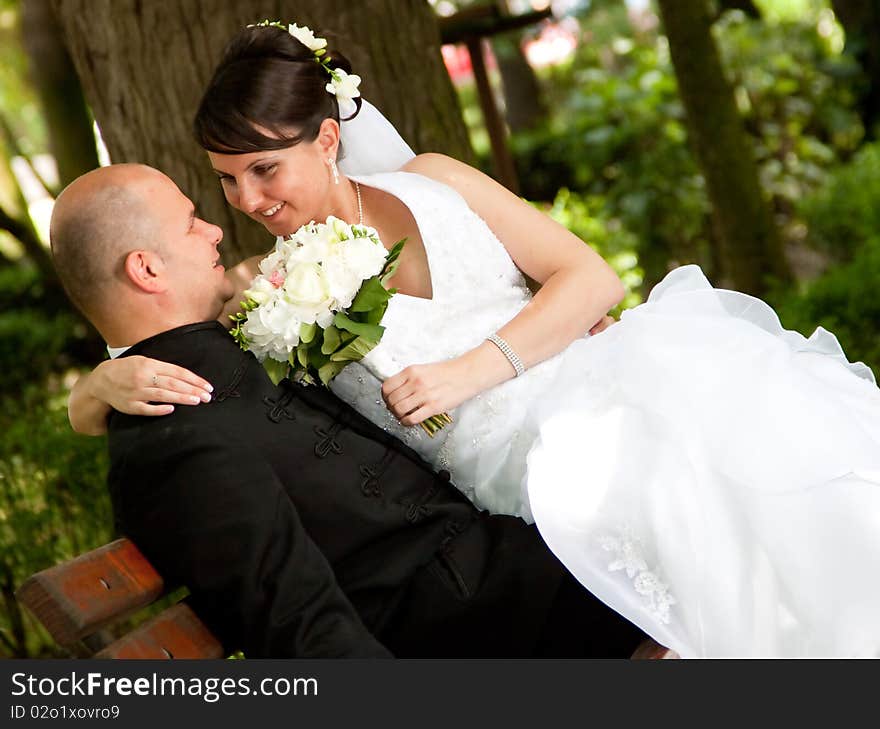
(301, 529)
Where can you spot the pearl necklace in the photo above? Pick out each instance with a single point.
(357, 189)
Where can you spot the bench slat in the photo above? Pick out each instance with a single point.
(174, 633)
(77, 598)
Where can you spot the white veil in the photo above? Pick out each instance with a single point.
(370, 143)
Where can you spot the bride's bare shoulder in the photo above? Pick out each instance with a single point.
(438, 167)
(466, 180)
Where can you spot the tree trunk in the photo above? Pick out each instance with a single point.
(524, 106)
(70, 127)
(861, 22)
(749, 245)
(145, 64)
(523, 103)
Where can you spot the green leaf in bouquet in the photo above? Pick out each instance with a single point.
(332, 340)
(330, 370)
(239, 336)
(276, 370)
(302, 355)
(354, 351)
(317, 359)
(371, 295)
(307, 332)
(390, 267)
(370, 331)
(374, 316)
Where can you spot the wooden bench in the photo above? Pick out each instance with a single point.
(80, 600)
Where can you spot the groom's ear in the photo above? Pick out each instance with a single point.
(328, 138)
(145, 269)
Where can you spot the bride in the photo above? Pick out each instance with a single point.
(710, 475)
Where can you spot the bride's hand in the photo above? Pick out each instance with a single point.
(420, 391)
(142, 386)
(132, 385)
(601, 325)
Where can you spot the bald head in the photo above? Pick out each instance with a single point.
(98, 219)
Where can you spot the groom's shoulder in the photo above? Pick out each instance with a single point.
(158, 453)
(136, 437)
(190, 345)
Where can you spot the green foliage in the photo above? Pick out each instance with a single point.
(618, 132)
(621, 138)
(843, 220)
(845, 302)
(844, 214)
(780, 11)
(53, 503)
(19, 105)
(587, 218)
(797, 98)
(28, 333)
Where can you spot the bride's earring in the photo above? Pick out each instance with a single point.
(334, 170)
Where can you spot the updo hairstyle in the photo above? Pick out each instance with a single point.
(266, 78)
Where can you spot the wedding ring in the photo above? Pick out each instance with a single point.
(155, 380)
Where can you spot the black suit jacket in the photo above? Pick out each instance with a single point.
(301, 528)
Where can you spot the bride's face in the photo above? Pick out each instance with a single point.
(281, 188)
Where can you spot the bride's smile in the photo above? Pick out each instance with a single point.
(286, 188)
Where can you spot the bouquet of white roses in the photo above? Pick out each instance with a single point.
(318, 302)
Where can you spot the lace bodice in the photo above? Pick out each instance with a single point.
(477, 290)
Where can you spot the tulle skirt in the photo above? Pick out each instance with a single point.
(715, 478)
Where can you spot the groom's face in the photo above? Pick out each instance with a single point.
(190, 258)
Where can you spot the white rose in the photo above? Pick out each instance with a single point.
(311, 247)
(274, 260)
(366, 256)
(268, 330)
(353, 262)
(307, 291)
(306, 36)
(282, 319)
(345, 88)
(342, 281)
(261, 290)
(338, 230)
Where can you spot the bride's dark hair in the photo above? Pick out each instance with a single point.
(266, 78)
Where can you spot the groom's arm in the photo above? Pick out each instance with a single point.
(216, 519)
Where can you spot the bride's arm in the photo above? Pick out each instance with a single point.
(577, 289)
(127, 384)
(135, 385)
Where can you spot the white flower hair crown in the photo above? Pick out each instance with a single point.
(344, 86)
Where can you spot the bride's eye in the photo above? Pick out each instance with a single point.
(267, 170)
(225, 180)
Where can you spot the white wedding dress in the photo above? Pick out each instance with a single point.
(709, 475)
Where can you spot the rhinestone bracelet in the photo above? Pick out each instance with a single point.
(506, 350)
